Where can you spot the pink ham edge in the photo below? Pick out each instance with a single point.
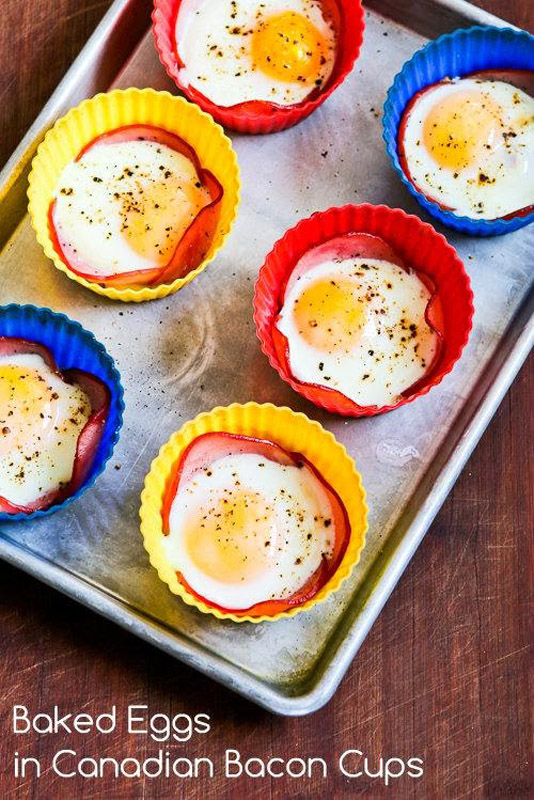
(212, 446)
(521, 78)
(185, 248)
(100, 398)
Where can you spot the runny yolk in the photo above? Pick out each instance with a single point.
(330, 314)
(460, 127)
(25, 406)
(234, 541)
(288, 47)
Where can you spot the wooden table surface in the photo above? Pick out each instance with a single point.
(446, 672)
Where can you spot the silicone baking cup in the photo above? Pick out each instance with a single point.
(72, 346)
(418, 245)
(107, 112)
(296, 433)
(247, 118)
(454, 55)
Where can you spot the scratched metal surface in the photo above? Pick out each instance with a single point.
(198, 349)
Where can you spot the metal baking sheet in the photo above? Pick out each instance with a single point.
(198, 349)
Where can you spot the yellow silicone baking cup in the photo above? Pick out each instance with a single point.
(293, 431)
(106, 112)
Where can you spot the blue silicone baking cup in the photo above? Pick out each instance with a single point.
(72, 346)
(453, 55)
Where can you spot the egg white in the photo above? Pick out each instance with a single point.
(38, 444)
(382, 357)
(218, 63)
(124, 206)
(501, 179)
(291, 537)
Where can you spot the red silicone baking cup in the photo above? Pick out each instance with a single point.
(419, 246)
(260, 117)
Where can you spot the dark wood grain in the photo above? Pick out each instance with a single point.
(446, 672)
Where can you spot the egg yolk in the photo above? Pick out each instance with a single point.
(460, 126)
(234, 541)
(24, 403)
(148, 232)
(329, 315)
(288, 47)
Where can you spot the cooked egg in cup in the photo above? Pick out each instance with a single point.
(253, 513)
(361, 309)
(258, 67)
(60, 411)
(459, 129)
(133, 193)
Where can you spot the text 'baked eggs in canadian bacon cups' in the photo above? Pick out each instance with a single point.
(253, 513)
(362, 309)
(60, 411)
(458, 125)
(258, 67)
(132, 193)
